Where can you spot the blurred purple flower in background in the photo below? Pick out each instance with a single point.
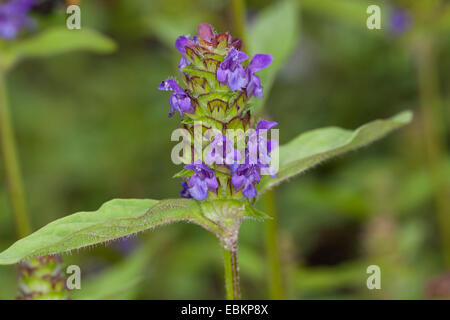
(14, 17)
(399, 21)
(126, 245)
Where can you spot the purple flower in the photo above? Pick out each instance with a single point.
(399, 21)
(180, 44)
(202, 181)
(245, 177)
(184, 193)
(222, 151)
(179, 100)
(13, 17)
(126, 245)
(259, 62)
(206, 32)
(258, 146)
(231, 71)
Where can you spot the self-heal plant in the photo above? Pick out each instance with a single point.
(220, 82)
(223, 176)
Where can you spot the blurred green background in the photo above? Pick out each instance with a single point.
(91, 128)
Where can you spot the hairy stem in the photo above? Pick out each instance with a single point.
(232, 287)
(434, 137)
(11, 165)
(276, 289)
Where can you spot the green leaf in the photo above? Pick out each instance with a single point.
(115, 219)
(275, 32)
(316, 146)
(122, 217)
(61, 40)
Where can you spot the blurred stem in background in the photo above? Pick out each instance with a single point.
(276, 289)
(238, 10)
(11, 165)
(39, 278)
(434, 138)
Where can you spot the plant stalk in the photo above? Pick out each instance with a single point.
(11, 165)
(276, 288)
(238, 9)
(434, 137)
(232, 287)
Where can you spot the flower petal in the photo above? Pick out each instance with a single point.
(206, 32)
(265, 125)
(259, 62)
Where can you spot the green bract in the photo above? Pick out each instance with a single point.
(42, 279)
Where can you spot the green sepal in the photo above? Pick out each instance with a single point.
(210, 77)
(255, 213)
(184, 173)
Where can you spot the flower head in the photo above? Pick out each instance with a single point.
(220, 80)
(14, 17)
(179, 100)
(202, 181)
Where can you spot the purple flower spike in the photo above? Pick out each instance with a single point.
(179, 100)
(222, 151)
(202, 181)
(259, 62)
(13, 17)
(231, 71)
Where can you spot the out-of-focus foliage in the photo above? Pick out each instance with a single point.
(91, 128)
(279, 42)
